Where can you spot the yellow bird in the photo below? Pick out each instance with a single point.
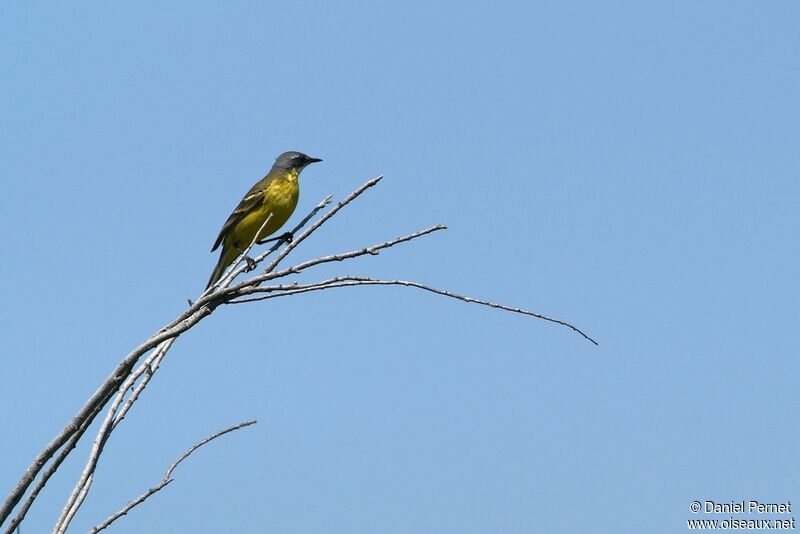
(267, 206)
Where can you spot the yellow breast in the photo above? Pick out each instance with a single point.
(280, 199)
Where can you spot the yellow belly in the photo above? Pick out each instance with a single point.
(280, 200)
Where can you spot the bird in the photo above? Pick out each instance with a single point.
(267, 206)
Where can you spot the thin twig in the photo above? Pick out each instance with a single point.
(167, 477)
(372, 250)
(322, 220)
(349, 281)
(148, 368)
(327, 200)
(228, 276)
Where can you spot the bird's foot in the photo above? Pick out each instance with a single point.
(251, 263)
(288, 237)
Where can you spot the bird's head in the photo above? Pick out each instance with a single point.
(294, 161)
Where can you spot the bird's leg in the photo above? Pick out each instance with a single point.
(251, 263)
(288, 237)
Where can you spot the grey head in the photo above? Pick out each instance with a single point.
(293, 160)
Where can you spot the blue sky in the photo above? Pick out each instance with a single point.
(631, 167)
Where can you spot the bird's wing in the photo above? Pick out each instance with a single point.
(251, 201)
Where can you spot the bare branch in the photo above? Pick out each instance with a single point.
(349, 281)
(167, 476)
(147, 369)
(65, 451)
(77, 424)
(128, 507)
(201, 443)
(112, 419)
(124, 379)
(89, 410)
(373, 250)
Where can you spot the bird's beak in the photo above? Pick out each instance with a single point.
(313, 160)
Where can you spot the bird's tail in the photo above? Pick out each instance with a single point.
(226, 257)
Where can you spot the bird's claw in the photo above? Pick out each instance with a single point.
(251, 263)
(288, 237)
